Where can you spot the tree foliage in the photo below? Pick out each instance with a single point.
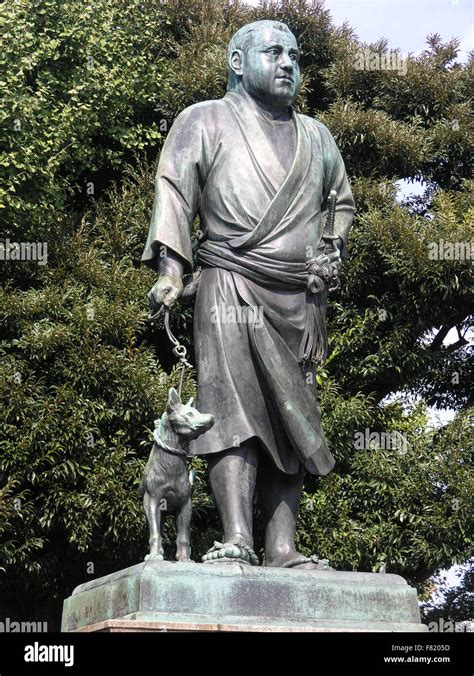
(83, 374)
(454, 603)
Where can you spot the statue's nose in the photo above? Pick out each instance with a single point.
(286, 62)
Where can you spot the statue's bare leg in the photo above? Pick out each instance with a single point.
(233, 475)
(280, 496)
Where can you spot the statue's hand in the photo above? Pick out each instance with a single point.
(166, 291)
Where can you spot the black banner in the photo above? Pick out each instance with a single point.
(371, 653)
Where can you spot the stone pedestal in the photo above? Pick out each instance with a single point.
(168, 596)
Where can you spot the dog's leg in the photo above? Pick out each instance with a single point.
(153, 515)
(160, 520)
(183, 526)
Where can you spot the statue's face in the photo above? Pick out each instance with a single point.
(270, 68)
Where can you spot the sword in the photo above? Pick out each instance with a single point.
(329, 237)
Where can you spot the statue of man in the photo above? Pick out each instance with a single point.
(258, 175)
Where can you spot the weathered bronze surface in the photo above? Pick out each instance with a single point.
(259, 175)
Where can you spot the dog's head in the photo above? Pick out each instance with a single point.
(185, 420)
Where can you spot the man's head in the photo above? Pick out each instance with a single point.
(263, 57)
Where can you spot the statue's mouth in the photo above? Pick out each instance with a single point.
(285, 78)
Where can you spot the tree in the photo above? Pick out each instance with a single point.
(83, 374)
(454, 604)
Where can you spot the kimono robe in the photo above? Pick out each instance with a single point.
(261, 223)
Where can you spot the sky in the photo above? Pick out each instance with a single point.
(406, 23)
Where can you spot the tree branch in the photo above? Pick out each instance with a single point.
(455, 346)
(440, 336)
(443, 332)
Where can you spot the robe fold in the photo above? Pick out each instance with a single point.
(261, 223)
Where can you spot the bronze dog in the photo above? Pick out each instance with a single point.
(165, 486)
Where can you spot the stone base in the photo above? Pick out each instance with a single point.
(169, 596)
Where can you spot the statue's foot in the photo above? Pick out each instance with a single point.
(298, 562)
(234, 551)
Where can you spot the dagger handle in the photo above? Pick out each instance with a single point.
(331, 215)
(329, 237)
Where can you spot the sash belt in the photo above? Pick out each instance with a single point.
(315, 278)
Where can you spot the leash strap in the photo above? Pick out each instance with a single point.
(179, 350)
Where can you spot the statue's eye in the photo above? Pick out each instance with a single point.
(273, 52)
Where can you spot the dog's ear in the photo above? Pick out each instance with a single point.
(173, 401)
(190, 402)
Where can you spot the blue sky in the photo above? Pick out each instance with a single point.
(405, 23)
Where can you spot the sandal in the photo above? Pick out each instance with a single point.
(235, 551)
(322, 564)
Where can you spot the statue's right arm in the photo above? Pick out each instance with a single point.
(168, 249)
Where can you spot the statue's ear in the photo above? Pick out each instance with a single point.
(190, 402)
(173, 400)
(236, 61)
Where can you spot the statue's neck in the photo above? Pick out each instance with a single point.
(265, 111)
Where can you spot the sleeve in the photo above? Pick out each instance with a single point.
(177, 191)
(335, 178)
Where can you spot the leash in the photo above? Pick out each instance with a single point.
(179, 350)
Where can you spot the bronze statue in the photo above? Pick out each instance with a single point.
(259, 175)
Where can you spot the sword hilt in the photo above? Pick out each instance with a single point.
(329, 237)
(331, 217)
